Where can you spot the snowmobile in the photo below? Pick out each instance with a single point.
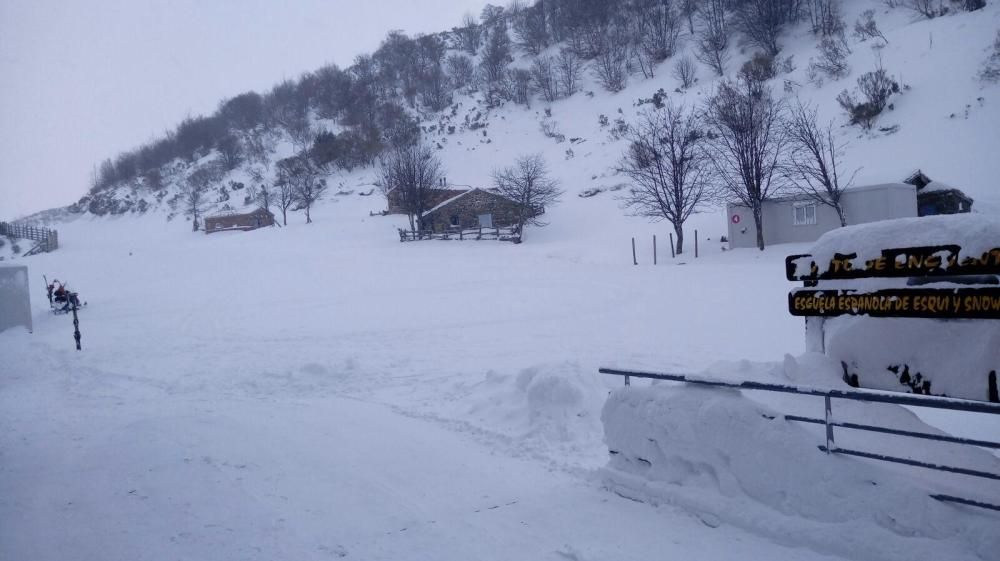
(61, 299)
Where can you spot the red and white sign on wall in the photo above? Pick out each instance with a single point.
(736, 219)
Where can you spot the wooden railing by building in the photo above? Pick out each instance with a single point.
(47, 240)
(503, 233)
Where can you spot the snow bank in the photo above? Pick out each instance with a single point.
(955, 356)
(546, 410)
(731, 460)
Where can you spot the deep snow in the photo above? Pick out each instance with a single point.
(325, 390)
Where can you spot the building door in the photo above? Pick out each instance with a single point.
(485, 220)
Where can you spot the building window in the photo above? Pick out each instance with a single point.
(454, 220)
(804, 214)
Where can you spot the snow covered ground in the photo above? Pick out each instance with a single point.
(324, 391)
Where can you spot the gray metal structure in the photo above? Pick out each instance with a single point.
(791, 220)
(15, 297)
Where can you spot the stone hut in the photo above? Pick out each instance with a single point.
(474, 208)
(235, 221)
(936, 197)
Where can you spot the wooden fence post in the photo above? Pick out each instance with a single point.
(634, 260)
(654, 249)
(672, 254)
(696, 244)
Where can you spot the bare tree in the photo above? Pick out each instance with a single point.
(686, 72)
(529, 28)
(657, 27)
(412, 171)
(264, 196)
(611, 63)
(517, 85)
(813, 163)
(496, 55)
(527, 182)
(569, 67)
(763, 20)
(543, 76)
(195, 188)
(304, 178)
(929, 9)
(284, 197)
(747, 145)
(713, 37)
(668, 166)
(826, 17)
(469, 34)
(230, 151)
(688, 9)
(460, 70)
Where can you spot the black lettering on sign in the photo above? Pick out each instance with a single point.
(936, 303)
(925, 261)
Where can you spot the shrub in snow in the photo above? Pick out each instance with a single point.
(713, 37)
(758, 69)
(543, 77)
(685, 72)
(991, 68)
(866, 28)
(831, 63)
(569, 69)
(876, 87)
(460, 70)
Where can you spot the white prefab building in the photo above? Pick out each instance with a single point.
(801, 219)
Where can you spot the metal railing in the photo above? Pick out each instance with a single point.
(829, 423)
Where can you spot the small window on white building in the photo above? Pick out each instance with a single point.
(804, 214)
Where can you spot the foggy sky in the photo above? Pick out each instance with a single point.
(82, 81)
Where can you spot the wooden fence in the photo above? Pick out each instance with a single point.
(504, 234)
(48, 240)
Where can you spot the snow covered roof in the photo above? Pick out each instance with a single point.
(938, 186)
(459, 196)
(449, 201)
(975, 233)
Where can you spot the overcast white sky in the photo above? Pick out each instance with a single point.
(84, 80)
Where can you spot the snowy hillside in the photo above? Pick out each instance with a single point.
(941, 122)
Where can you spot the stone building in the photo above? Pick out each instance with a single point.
(235, 221)
(474, 208)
